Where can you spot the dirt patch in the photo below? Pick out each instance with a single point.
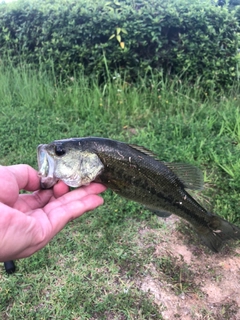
(194, 283)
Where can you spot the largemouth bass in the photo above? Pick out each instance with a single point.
(136, 174)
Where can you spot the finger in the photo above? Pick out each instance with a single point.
(77, 194)
(13, 178)
(38, 199)
(61, 215)
(26, 177)
(60, 189)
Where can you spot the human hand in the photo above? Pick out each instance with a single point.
(29, 221)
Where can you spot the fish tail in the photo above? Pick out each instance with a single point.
(218, 231)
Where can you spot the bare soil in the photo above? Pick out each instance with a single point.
(201, 284)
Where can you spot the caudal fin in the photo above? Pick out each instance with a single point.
(218, 232)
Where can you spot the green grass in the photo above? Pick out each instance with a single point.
(91, 270)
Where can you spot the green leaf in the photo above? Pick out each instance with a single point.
(118, 37)
(112, 36)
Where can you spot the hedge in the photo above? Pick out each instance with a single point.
(184, 38)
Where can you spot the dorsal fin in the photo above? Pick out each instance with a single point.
(190, 176)
(144, 150)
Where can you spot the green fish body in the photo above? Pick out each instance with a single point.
(136, 174)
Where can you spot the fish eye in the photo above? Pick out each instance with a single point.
(59, 150)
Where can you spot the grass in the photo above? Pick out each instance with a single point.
(93, 268)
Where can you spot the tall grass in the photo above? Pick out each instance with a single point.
(86, 271)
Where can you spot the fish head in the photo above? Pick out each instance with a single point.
(66, 160)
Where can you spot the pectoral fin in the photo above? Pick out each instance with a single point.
(159, 213)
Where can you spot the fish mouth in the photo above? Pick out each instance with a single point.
(46, 166)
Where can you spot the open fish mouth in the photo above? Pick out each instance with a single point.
(46, 168)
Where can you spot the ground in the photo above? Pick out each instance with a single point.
(195, 283)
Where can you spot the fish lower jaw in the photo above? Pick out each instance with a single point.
(48, 182)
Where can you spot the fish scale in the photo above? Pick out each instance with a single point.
(146, 189)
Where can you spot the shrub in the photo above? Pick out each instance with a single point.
(134, 37)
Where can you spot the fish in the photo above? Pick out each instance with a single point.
(137, 174)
